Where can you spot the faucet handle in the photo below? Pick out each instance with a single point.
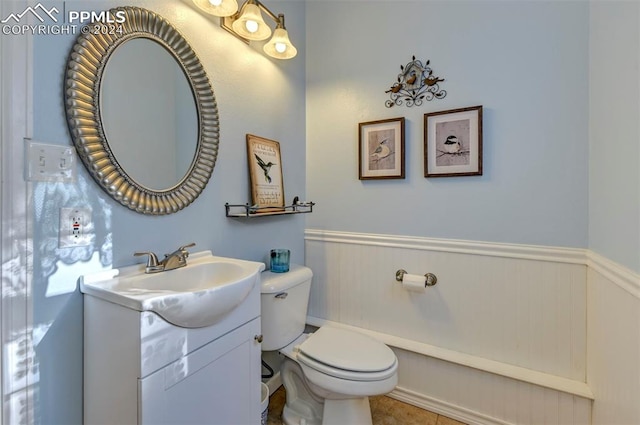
(153, 258)
(184, 248)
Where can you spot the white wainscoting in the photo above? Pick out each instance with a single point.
(495, 341)
(613, 370)
(477, 397)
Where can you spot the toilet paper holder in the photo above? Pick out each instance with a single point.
(430, 278)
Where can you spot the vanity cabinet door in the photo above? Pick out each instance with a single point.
(218, 383)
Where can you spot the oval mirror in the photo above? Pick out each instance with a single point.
(141, 112)
(158, 113)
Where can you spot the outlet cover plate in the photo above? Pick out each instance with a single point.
(76, 227)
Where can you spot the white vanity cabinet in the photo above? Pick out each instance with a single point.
(211, 385)
(140, 369)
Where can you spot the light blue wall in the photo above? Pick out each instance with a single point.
(614, 132)
(255, 94)
(526, 62)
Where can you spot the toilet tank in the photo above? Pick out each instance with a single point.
(284, 298)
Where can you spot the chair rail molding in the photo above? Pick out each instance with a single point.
(492, 249)
(623, 277)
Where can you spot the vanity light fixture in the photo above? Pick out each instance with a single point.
(280, 46)
(248, 24)
(218, 7)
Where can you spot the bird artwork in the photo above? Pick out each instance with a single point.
(381, 151)
(395, 88)
(266, 167)
(430, 80)
(415, 84)
(452, 145)
(412, 78)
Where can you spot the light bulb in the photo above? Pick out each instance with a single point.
(252, 26)
(217, 7)
(280, 46)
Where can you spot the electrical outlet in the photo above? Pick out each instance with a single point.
(50, 163)
(76, 227)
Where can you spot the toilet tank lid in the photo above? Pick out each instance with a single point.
(278, 282)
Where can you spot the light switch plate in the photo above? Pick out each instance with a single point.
(50, 163)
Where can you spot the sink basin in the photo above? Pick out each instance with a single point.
(197, 295)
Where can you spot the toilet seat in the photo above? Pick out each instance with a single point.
(347, 355)
(346, 374)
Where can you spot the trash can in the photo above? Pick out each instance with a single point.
(264, 403)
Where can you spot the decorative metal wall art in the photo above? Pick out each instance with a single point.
(416, 83)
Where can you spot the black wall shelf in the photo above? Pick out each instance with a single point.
(253, 211)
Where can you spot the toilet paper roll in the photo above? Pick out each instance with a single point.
(413, 282)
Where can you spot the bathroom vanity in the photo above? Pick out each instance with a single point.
(141, 369)
(170, 343)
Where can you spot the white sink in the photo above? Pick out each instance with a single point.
(197, 295)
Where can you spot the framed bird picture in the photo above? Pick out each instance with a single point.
(453, 142)
(265, 173)
(381, 149)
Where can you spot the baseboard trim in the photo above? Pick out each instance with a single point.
(443, 408)
(274, 383)
(518, 373)
(528, 252)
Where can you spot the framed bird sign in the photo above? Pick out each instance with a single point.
(453, 142)
(265, 173)
(381, 149)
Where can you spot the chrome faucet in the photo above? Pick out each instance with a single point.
(176, 259)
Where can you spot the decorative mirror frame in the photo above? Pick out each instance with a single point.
(85, 67)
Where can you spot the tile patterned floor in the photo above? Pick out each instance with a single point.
(384, 410)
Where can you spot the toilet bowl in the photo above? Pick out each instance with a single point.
(328, 375)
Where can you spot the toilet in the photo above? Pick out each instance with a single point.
(329, 374)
